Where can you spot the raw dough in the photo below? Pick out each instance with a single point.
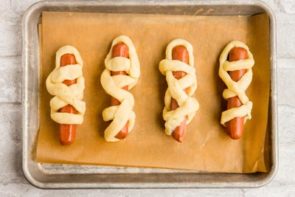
(188, 105)
(236, 88)
(123, 113)
(63, 94)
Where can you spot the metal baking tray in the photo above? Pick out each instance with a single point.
(87, 176)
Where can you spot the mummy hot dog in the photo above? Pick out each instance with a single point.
(236, 62)
(120, 75)
(66, 83)
(180, 106)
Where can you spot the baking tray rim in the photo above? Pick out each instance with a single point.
(273, 103)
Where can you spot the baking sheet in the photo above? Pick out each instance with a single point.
(206, 147)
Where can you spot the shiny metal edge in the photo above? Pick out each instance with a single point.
(25, 63)
(273, 93)
(25, 130)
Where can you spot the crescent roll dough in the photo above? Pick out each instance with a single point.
(63, 94)
(188, 105)
(120, 114)
(236, 88)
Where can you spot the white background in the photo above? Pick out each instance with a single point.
(12, 182)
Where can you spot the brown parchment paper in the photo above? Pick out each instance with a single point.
(206, 147)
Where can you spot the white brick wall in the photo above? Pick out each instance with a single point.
(12, 182)
(287, 6)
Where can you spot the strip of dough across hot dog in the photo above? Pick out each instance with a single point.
(123, 113)
(180, 89)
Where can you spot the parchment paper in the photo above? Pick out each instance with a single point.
(206, 147)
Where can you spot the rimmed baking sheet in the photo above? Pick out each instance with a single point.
(183, 6)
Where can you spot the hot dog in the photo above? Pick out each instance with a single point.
(67, 132)
(235, 126)
(179, 53)
(120, 50)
